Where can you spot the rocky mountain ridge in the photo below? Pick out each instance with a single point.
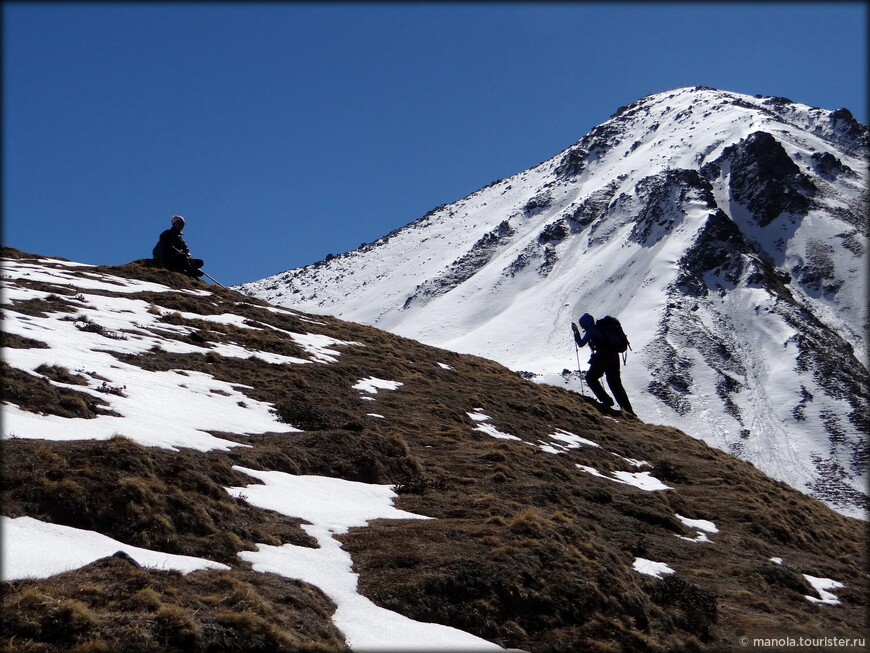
(728, 232)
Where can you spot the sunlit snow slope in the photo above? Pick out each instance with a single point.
(728, 234)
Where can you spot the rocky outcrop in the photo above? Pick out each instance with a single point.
(765, 180)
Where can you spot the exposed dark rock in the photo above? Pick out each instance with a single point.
(538, 203)
(464, 267)
(663, 200)
(720, 248)
(572, 163)
(551, 257)
(765, 180)
(818, 272)
(829, 166)
(844, 122)
(593, 207)
(554, 232)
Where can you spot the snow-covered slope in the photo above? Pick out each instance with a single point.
(728, 234)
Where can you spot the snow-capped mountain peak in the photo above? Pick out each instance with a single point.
(727, 232)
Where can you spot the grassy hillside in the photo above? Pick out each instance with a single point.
(528, 547)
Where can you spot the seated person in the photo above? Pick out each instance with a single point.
(171, 251)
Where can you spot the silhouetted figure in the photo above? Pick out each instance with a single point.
(171, 251)
(603, 362)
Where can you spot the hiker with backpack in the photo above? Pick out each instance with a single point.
(171, 251)
(607, 340)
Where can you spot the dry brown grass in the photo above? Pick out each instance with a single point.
(112, 605)
(38, 395)
(526, 550)
(168, 501)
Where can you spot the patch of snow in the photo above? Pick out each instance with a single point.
(491, 431)
(330, 503)
(11, 294)
(318, 346)
(37, 549)
(822, 585)
(700, 537)
(702, 527)
(700, 524)
(571, 440)
(89, 281)
(230, 319)
(227, 350)
(651, 568)
(70, 264)
(372, 385)
(333, 506)
(633, 461)
(642, 480)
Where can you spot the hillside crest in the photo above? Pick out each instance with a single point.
(323, 485)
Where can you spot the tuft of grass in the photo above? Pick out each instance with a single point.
(42, 307)
(37, 394)
(528, 522)
(693, 609)
(14, 341)
(61, 374)
(167, 501)
(175, 627)
(138, 610)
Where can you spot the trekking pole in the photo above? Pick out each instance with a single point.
(579, 372)
(212, 278)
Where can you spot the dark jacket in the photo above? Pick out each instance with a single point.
(170, 241)
(591, 334)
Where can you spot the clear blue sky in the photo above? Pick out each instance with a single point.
(287, 131)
